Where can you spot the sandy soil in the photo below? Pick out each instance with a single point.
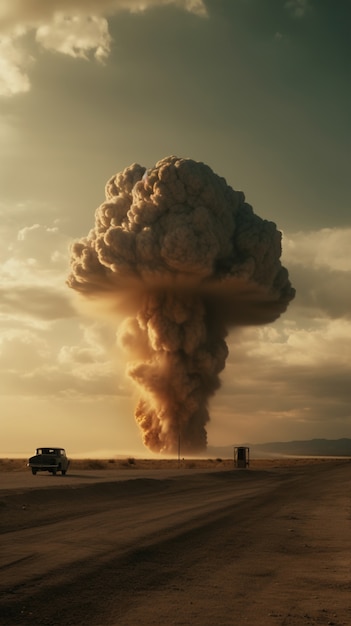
(266, 546)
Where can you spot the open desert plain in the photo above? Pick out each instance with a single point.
(188, 543)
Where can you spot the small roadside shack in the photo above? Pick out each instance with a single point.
(241, 457)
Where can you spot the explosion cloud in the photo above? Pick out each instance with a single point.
(184, 257)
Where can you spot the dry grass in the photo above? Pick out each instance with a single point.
(17, 465)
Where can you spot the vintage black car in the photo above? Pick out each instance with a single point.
(51, 460)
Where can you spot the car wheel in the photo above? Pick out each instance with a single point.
(34, 471)
(63, 472)
(53, 472)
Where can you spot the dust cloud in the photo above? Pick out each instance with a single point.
(184, 257)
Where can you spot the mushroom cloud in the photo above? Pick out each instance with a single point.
(183, 257)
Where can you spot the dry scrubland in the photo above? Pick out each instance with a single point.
(17, 465)
(125, 463)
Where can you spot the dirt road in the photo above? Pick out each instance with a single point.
(268, 547)
(23, 480)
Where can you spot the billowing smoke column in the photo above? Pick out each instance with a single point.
(184, 257)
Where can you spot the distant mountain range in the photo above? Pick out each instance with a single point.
(311, 447)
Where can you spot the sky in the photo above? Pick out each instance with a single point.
(260, 92)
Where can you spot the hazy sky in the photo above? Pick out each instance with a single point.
(260, 91)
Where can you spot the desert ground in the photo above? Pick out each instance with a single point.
(128, 543)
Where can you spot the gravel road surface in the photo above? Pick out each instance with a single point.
(257, 547)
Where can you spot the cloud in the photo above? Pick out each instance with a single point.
(33, 265)
(327, 248)
(41, 245)
(320, 264)
(25, 343)
(32, 361)
(43, 303)
(76, 36)
(68, 27)
(184, 257)
(323, 343)
(56, 379)
(43, 350)
(322, 292)
(298, 8)
(13, 65)
(96, 343)
(287, 381)
(32, 13)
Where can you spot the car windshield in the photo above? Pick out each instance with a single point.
(48, 451)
